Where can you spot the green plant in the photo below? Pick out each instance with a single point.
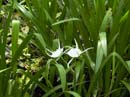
(100, 72)
(10, 85)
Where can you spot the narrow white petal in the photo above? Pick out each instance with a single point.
(68, 64)
(87, 49)
(76, 44)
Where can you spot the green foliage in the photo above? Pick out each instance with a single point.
(56, 27)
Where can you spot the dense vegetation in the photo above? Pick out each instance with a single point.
(64, 48)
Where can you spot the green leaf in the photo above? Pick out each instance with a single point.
(128, 63)
(77, 70)
(69, 33)
(127, 85)
(103, 40)
(117, 16)
(15, 35)
(118, 57)
(124, 17)
(25, 12)
(65, 20)
(107, 21)
(73, 93)
(52, 91)
(62, 74)
(3, 70)
(99, 57)
(40, 39)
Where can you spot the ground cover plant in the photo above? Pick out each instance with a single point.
(64, 48)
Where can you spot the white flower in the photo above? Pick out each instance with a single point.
(57, 53)
(76, 52)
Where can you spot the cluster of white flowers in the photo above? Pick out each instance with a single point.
(73, 52)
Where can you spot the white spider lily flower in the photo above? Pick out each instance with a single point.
(76, 52)
(57, 53)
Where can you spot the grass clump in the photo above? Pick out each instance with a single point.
(60, 48)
